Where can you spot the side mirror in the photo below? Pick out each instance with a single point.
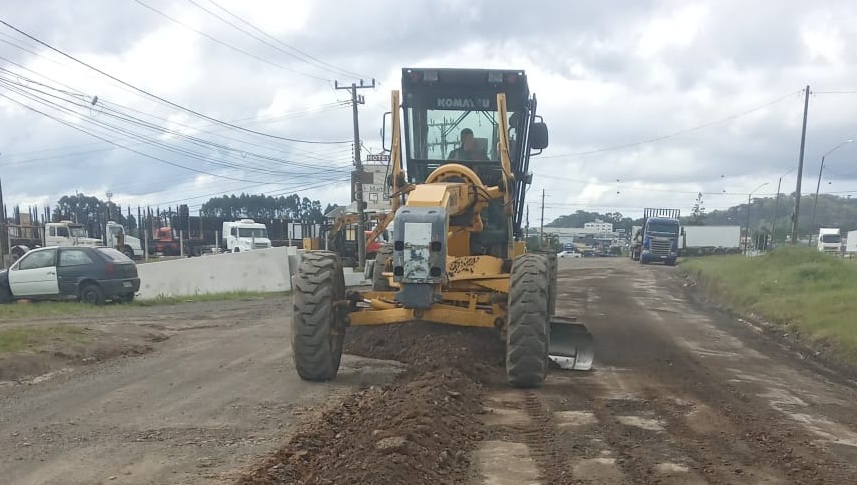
(539, 136)
(384, 131)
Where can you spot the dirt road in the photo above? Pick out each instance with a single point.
(219, 391)
(679, 394)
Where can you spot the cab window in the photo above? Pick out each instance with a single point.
(74, 257)
(39, 259)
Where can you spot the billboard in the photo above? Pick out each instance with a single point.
(375, 193)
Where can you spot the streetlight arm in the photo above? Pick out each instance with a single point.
(837, 147)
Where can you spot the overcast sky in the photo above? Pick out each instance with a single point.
(648, 102)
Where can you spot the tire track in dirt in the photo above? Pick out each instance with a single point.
(645, 453)
(750, 436)
(545, 445)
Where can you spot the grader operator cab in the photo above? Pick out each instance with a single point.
(457, 255)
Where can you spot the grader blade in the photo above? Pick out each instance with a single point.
(571, 346)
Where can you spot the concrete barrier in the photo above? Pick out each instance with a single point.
(265, 270)
(352, 278)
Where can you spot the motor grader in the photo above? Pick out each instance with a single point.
(458, 255)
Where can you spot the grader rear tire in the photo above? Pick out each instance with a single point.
(379, 282)
(318, 328)
(528, 328)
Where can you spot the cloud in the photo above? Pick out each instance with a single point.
(616, 75)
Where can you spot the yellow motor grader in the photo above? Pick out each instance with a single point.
(457, 254)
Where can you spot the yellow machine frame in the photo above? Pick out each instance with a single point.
(477, 288)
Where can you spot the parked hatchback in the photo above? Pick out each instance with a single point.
(88, 274)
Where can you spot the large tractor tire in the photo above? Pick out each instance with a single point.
(379, 282)
(318, 324)
(528, 328)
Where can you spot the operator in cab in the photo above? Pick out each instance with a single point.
(468, 151)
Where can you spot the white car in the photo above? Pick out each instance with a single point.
(568, 254)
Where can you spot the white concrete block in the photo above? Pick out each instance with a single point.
(264, 270)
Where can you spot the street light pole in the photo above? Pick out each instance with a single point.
(818, 185)
(747, 243)
(777, 207)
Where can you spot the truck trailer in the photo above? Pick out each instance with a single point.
(707, 240)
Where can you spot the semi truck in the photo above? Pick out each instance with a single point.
(118, 238)
(61, 233)
(707, 240)
(166, 241)
(244, 235)
(657, 240)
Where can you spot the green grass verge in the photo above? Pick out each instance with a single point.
(22, 338)
(48, 309)
(813, 294)
(232, 295)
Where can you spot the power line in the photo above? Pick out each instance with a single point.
(170, 103)
(321, 64)
(161, 130)
(227, 45)
(291, 188)
(70, 125)
(260, 120)
(77, 93)
(677, 133)
(345, 71)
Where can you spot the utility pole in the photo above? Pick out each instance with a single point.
(3, 229)
(527, 229)
(776, 207)
(800, 168)
(358, 164)
(542, 224)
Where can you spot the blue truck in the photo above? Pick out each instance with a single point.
(657, 240)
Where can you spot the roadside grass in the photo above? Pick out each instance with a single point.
(811, 294)
(49, 309)
(204, 297)
(17, 339)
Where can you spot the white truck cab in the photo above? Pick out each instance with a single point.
(117, 238)
(829, 240)
(245, 235)
(67, 233)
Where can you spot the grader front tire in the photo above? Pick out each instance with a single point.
(528, 327)
(318, 328)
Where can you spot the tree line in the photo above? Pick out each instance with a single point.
(93, 212)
